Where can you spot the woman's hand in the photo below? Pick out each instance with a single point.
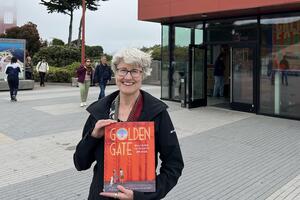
(98, 131)
(123, 194)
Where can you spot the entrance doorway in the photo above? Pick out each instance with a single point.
(218, 96)
(242, 79)
(238, 91)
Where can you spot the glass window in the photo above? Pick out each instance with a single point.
(197, 27)
(180, 59)
(198, 36)
(232, 30)
(165, 62)
(8, 18)
(242, 74)
(280, 66)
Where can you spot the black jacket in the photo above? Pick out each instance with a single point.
(91, 149)
(219, 68)
(102, 74)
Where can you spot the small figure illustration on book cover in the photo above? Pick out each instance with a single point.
(129, 156)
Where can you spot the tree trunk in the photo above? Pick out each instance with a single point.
(79, 33)
(70, 28)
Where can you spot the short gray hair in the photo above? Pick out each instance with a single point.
(134, 57)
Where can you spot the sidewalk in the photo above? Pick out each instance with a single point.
(227, 154)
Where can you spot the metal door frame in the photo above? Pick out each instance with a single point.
(193, 103)
(237, 105)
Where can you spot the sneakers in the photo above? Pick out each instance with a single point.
(83, 104)
(13, 98)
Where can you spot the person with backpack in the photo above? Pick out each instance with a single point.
(42, 68)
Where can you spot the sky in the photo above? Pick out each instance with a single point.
(113, 26)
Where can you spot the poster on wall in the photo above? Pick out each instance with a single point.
(8, 49)
(285, 39)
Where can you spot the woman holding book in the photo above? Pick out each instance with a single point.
(130, 103)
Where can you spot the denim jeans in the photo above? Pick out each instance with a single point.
(102, 90)
(284, 78)
(219, 86)
(13, 84)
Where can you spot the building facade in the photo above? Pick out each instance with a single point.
(259, 42)
(8, 17)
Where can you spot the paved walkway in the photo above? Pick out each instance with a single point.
(228, 154)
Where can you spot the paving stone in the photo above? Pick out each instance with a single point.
(227, 154)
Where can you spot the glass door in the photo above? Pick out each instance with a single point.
(196, 77)
(242, 81)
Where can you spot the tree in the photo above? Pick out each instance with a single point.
(90, 51)
(44, 43)
(155, 51)
(28, 32)
(93, 6)
(93, 51)
(58, 42)
(66, 7)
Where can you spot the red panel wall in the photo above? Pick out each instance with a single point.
(158, 9)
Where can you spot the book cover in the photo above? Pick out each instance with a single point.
(129, 158)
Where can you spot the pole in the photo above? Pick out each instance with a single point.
(83, 33)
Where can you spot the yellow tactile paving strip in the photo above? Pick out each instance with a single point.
(5, 140)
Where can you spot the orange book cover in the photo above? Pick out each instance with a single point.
(129, 158)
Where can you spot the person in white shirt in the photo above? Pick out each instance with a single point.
(42, 67)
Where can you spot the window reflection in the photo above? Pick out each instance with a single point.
(165, 62)
(180, 60)
(280, 66)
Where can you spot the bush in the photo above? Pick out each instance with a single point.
(58, 56)
(57, 42)
(60, 74)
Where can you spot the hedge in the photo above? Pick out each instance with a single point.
(60, 74)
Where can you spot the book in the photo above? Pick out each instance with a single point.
(129, 156)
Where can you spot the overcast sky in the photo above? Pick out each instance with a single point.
(113, 26)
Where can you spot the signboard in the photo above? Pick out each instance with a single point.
(8, 49)
(285, 41)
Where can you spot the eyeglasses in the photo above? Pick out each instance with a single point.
(135, 73)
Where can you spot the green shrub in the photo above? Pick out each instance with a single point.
(58, 56)
(60, 74)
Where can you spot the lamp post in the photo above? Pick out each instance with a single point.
(83, 33)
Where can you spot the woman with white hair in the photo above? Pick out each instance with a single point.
(130, 103)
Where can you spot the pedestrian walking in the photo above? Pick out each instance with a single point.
(84, 75)
(42, 68)
(12, 70)
(129, 103)
(102, 75)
